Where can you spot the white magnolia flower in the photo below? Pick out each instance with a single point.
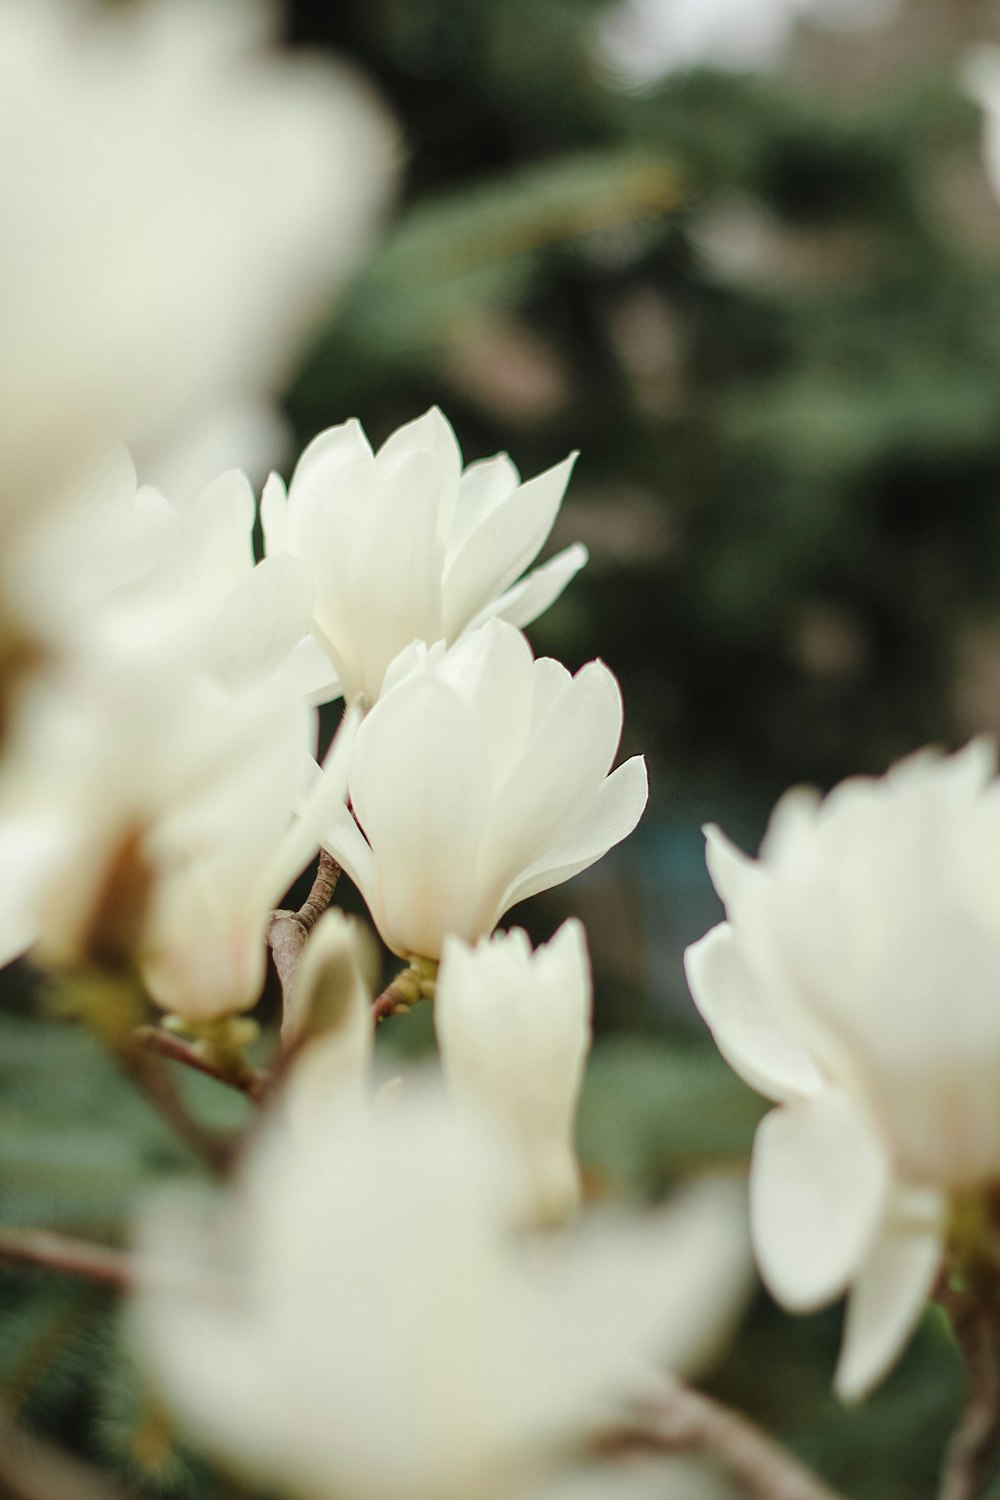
(123, 574)
(157, 819)
(360, 1321)
(176, 205)
(514, 1031)
(856, 982)
(405, 545)
(480, 778)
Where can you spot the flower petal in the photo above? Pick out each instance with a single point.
(746, 1025)
(888, 1297)
(535, 593)
(615, 811)
(554, 783)
(499, 550)
(819, 1182)
(262, 621)
(484, 485)
(420, 786)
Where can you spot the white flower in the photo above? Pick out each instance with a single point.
(514, 1031)
(981, 76)
(122, 574)
(646, 39)
(158, 818)
(328, 1020)
(856, 982)
(360, 1321)
(480, 778)
(176, 206)
(404, 545)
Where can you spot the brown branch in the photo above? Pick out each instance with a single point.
(57, 1252)
(288, 930)
(682, 1421)
(974, 1443)
(32, 1470)
(149, 1076)
(252, 1082)
(411, 985)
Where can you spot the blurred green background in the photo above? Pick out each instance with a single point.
(765, 304)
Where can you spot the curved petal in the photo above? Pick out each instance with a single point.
(484, 485)
(617, 808)
(732, 871)
(492, 671)
(262, 622)
(534, 594)
(888, 1297)
(394, 581)
(747, 1028)
(553, 785)
(499, 550)
(431, 434)
(325, 460)
(309, 671)
(274, 515)
(819, 1183)
(420, 786)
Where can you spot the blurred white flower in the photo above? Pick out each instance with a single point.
(480, 778)
(514, 1031)
(644, 40)
(856, 982)
(176, 206)
(157, 819)
(981, 76)
(328, 1021)
(405, 545)
(360, 1321)
(121, 574)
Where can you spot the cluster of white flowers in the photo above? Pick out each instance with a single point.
(372, 1308)
(401, 1294)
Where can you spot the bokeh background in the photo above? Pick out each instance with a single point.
(754, 276)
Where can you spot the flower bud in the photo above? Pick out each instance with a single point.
(514, 1031)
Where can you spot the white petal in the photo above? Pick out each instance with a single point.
(501, 548)
(531, 597)
(394, 582)
(430, 434)
(328, 458)
(309, 671)
(556, 779)
(322, 809)
(420, 787)
(483, 486)
(818, 1186)
(731, 870)
(746, 1025)
(888, 1297)
(263, 620)
(617, 808)
(274, 515)
(492, 671)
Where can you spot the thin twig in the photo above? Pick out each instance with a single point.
(57, 1252)
(974, 1442)
(32, 1470)
(148, 1074)
(252, 1082)
(289, 930)
(682, 1421)
(394, 1000)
